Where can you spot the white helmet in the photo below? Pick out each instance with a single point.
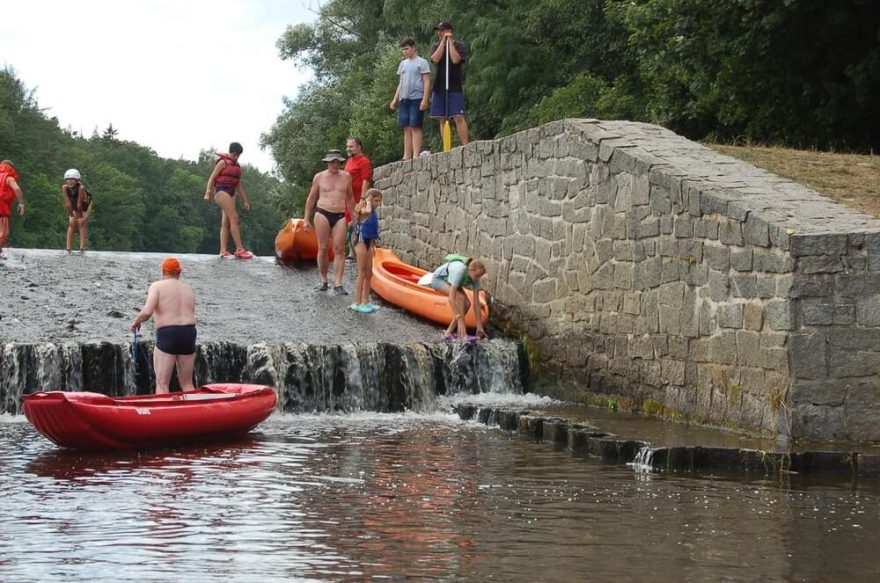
(72, 173)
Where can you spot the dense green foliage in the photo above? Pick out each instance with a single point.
(799, 73)
(141, 202)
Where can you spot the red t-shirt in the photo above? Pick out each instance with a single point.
(360, 169)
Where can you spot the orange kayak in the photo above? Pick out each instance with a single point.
(292, 242)
(398, 283)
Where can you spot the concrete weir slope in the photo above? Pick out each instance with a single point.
(642, 265)
(64, 324)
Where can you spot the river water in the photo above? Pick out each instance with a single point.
(403, 496)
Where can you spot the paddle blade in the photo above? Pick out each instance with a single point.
(446, 135)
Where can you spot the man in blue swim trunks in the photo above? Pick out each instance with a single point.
(172, 304)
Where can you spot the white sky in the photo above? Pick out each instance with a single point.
(177, 76)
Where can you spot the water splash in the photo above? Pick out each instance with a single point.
(643, 462)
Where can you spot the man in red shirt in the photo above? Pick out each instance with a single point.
(361, 170)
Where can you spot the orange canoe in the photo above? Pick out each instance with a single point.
(293, 242)
(397, 283)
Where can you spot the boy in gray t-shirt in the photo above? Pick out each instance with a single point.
(411, 97)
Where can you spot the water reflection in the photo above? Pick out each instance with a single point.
(371, 496)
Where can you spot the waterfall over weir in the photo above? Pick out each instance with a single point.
(309, 378)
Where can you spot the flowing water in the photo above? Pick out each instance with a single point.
(392, 496)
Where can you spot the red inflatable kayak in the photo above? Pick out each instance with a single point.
(92, 421)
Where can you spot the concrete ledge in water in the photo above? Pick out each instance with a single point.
(582, 439)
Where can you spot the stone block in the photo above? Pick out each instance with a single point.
(707, 319)
(706, 229)
(850, 363)
(690, 319)
(730, 232)
(623, 250)
(824, 244)
(812, 264)
(771, 262)
(744, 286)
(623, 275)
(741, 259)
(779, 315)
(766, 287)
(712, 203)
(862, 411)
(780, 237)
(756, 231)
(683, 227)
(816, 286)
(817, 314)
(844, 315)
(753, 316)
(719, 286)
(868, 310)
(544, 291)
(730, 315)
(809, 356)
(718, 258)
(672, 372)
(722, 348)
(748, 349)
(670, 270)
(647, 274)
(851, 285)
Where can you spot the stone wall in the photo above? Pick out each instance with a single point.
(640, 264)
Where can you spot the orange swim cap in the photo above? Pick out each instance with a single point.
(171, 265)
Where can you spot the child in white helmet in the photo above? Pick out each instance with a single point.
(77, 203)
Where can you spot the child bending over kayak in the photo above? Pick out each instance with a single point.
(364, 234)
(451, 278)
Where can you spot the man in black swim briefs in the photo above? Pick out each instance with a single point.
(331, 191)
(172, 304)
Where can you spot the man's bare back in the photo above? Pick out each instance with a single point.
(332, 190)
(172, 302)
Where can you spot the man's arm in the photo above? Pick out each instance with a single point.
(311, 201)
(349, 192)
(148, 309)
(368, 176)
(426, 88)
(437, 55)
(396, 97)
(454, 55)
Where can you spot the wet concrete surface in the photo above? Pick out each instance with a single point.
(50, 296)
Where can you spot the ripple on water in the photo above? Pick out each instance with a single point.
(327, 498)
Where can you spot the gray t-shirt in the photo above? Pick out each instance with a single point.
(453, 273)
(410, 72)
